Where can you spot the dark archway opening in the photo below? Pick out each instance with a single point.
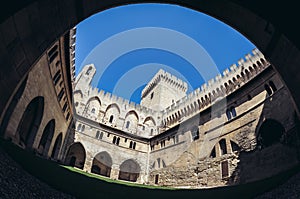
(76, 156)
(129, 171)
(270, 132)
(30, 122)
(46, 139)
(56, 147)
(102, 164)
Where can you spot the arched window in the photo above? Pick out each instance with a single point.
(114, 140)
(101, 136)
(97, 134)
(223, 148)
(111, 119)
(130, 144)
(151, 132)
(134, 144)
(93, 110)
(82, 128)
(118, 141)
(127, 124)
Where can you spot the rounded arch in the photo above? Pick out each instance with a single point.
(30, 122)
(46, 139)
(102, 164)
(57, 146)
(129, 170)
(270, 132)
(76, 155)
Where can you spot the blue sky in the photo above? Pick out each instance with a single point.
(129, 44)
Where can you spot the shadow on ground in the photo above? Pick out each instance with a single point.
(82, 186)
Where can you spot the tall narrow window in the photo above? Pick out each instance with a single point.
(152, 94)
(56, 77)
(68, 116)
(65, 107)
(233, 112)
(111, 119)
(134, 144)
(130, 144)
(151, 132)
(223, 148)
(228, 114)
(60, 95)
(273, 86)
(118, 141)
(52, 54)
(79, 127)
(97, 134)
(127, 124)
(114, 140)
(224, 167)
(82, 128)
(156, 178)
(195, 134)
(101, 136)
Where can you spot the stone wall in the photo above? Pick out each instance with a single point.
(40, 84)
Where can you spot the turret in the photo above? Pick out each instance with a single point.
(163, 90)
(85, 77)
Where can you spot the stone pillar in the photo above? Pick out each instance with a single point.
(88, 164)
(114, 174)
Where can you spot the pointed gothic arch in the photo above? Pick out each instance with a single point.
(76, 155)
(129, 170)
(57, 146)
(30, 122)
(46, 139)
(102, 164)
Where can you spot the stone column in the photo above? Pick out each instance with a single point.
(114, 174)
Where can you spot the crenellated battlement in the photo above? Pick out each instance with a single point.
(172, 81)
(220, 86)
(198, 100)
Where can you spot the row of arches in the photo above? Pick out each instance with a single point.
(112, 114)
(270, 132)
(102, 163)
(29, 126)
(93, 106)
(221, 91)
